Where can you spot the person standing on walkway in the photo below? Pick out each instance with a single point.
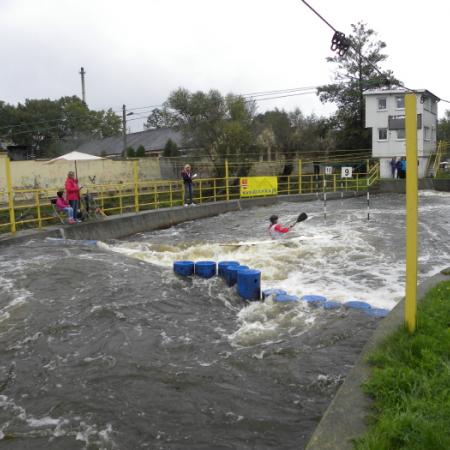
(393, 166)
(73, 193)
(187, 175)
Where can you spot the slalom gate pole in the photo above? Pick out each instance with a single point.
(368, 206)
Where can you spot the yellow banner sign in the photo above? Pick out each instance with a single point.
(258, 186)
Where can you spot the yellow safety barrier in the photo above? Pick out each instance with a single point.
(31, 208)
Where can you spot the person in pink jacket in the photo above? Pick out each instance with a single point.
(73, 193)
(62, 205)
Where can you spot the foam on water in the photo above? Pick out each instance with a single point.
(341, 259)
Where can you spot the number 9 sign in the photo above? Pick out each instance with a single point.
(346, 172)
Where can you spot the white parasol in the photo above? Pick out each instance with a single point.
(74, 156)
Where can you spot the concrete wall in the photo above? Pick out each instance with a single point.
(33, 174)
(399, 186)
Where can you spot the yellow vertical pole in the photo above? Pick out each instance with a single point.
(12, 216)
(215, 198)
(38, 207)
(136, 185)
(227, 188)
(334, 182)
(170, 194)
(299, 176)
(411, 211)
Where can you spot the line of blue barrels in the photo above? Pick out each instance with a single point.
(279, 295)
(248, 281)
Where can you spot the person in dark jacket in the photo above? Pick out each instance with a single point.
(393, 166)
(187, 175)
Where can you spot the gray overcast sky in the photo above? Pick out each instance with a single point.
(136, 52)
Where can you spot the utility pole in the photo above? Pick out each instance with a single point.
(124, 129)
(83, 90)
(124, 126)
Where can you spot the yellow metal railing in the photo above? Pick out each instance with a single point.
(31, 208)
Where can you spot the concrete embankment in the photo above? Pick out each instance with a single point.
(399, 186)
(120, 226)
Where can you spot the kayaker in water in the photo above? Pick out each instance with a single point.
(276, 230)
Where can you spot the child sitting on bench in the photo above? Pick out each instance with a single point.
(63, 205)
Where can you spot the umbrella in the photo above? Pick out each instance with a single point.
(74, 156)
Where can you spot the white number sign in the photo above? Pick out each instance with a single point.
(346, 172)
(328, 170)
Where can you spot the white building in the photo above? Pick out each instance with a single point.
(385, 114)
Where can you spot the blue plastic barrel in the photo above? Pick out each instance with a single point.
(314, 299)
(286, 298)
(331, 304)
(231, 274)
(357, 304)
(378, 312)
(205, 269)
(223, 264)
(184, 268)
(272, 291)
(249, 283)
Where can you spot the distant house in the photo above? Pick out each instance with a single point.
(153, 141)
(385, 114)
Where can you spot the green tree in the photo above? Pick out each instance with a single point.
(221, 126)
(356, 71)
(443, 128)
(171, 149)
(278, 123)
(312, 137)
(51, 127)
(130, 153)
(160, 118)
(140, 151)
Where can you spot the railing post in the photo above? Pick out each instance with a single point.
(201, 191)
(215, 198)
(136, 185)
(170, 194)
(227, 188)
(38, 207)
(12, 216)
(299, 176)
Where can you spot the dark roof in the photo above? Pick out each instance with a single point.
(152, 140)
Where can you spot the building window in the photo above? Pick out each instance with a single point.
(381, 103)
(426, 133)
(400, 102)
(401, 134)
(382, 134)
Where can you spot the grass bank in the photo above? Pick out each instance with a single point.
(410, 382)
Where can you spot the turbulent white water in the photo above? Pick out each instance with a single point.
(342, 258)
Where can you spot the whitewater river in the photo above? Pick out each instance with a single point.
(102, 347)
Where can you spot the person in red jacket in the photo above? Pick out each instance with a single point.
(73, 193)
(277, 230)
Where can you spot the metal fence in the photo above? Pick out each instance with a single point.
(32, 208)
